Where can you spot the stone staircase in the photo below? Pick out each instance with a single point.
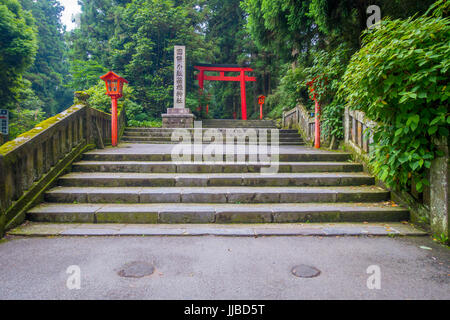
(163, 135)
(138, 183)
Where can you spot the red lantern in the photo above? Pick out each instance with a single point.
(114, 89)
(114, 84)
(261, 100)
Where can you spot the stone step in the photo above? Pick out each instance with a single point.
(168, 139)
(217, 213)
(37, 229)
(231, 125)
(216, 194)
(168, 134)
(167, 130)
(114, 179)
(283, 143)
(210, 167)
(145, 152)
(224, 123)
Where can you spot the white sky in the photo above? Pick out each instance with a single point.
(71, 7)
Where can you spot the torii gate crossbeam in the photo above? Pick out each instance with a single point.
(222, 68)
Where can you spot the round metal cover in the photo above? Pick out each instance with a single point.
(304, 271)
(136, 270)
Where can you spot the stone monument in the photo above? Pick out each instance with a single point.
(179, 116)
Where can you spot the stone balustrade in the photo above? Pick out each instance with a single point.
(429, 207)
(300, 119)
(30, 163)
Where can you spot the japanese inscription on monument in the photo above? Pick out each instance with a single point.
(179, 87)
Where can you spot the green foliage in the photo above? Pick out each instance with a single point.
(26, 112)
(399, 79)
(345, 20)
(328, 67)
(17, 49)
(288, 93)
(142, 51)
(84, 74)
(441, 238)
(99, 21)
(49, 70)
(281, 25)
(332, 125)
(136, 116)
(98, 99)
(155, 123)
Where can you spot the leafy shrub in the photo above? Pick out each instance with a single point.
(136, 116)
(399, 79)
(331, 120)
(155, 123)
(329, 67)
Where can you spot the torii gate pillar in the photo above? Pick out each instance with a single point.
(243, 97)
(222, 68)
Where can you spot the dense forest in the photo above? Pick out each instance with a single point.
(287, 42)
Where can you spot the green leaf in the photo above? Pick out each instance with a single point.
(419, 186)
(422, 94)
(432, 130)
(398, 131)
(414, 165)
(403, 158)
(435, 120)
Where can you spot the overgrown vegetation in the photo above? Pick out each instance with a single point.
(399, 79)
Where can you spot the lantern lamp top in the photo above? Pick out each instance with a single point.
(114, 84)
(261, 99)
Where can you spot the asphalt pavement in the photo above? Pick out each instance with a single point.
(221, 267)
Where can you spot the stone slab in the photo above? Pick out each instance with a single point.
(33, 229)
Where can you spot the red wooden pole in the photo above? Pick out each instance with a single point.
(243, 98)
(260, 112)
(114, 121)
(317, 125)
(200, 80)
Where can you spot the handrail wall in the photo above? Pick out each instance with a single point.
(300, 119)
(31, 163)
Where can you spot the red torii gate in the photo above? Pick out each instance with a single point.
(222, 68)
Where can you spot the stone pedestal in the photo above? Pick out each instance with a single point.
(178, 118)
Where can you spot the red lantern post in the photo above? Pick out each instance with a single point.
(114, 88)
(261, 99)
(314, 97)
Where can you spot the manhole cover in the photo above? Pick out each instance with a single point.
(304, 271)
(136, 270)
